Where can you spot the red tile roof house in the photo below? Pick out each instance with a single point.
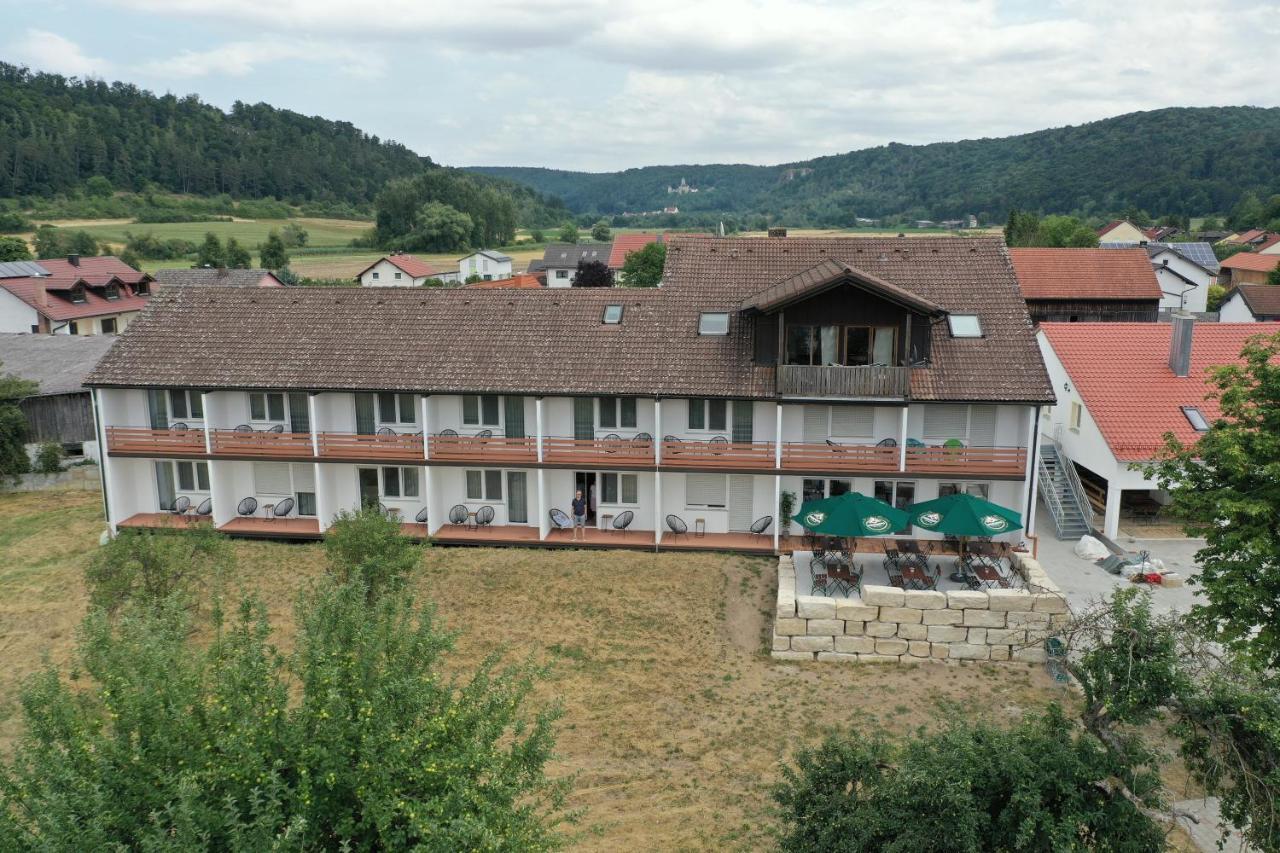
(1087, 285)
(73, 295)
(904, 368)
(399, 270)
(625, 244)
(1249, 268)
(1121, 387)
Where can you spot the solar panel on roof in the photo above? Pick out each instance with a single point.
(21, 269)
(1197, 253)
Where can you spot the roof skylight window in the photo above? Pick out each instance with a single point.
(612, 315)
(713, 323)
(1196, 418)
(964, 325)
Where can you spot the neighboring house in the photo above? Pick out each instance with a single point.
(72, 296)
(560, 261)
(398, 270)
(1087, 285)
(1268, 246)
(1244, 268)
(625, 244)
(1251, 303)
(1121, 388)
(221, 277)
(1121, 231)
(902, 368)
(1257, 239)
(523, 281)
(1184, 272)
(485, 263)
(61, 410)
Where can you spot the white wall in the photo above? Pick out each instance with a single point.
(386, 273)
(477, 264)
(16, 315)
(1234, 310)
(554, 280)
(1177, 293)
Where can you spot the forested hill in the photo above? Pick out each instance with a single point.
(57, 132)
(1178, 160)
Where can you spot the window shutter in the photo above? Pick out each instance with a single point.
(304, 478)
(982, 426)
(717, 415)
(584, 418)
(944, 422)
(815, 424)
(853, 421)
(272, 478)
(705, 489)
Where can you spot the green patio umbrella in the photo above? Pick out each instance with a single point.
(964, 515)
(850, 515)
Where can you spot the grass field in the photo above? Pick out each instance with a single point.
(249, 232)
(675, 720)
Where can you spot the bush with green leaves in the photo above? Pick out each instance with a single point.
(49, 458)
(368, 545)
(145, 567)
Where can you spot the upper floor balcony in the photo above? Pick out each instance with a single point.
(863, 382)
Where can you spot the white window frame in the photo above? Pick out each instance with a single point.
(1075, 414)
(966, 330)
(188, 397)
(266, 407)
(196, 465)
(706, 427)
(375, 275)
(706, 321)
(619, 478)
(562, 274)
(967, 435)
(480, 421)
(294, 491)
(398, 403)
(724, 482)
(400, 483)
(617, 413)
(399, 275)
(486, 496)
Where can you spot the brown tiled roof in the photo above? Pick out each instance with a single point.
(205, 276)
(520, 281)
(1085, 273)
(825, 274)
(412, 266)
(94, 270)
(1251, 261)
(1262, 299)
(551, 341)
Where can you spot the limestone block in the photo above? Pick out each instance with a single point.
(1004, 636)
(855, 645)
(813, 644)
(912, 632)
(877, 659)
(1059, 620)
(790, 627)
(792, 655)
(856, 611)
(781, 644)
(997, 653)
(825, 627)
(939, 651)
(947, 634)
(942, 617)
(882, 595)
(967, 599)
(970, 651)
(924, 599)
(900, 614)
(1009, 599)
(837, 656)
(890, 646)
(813, 607)
(918, 648)
(1048, 602)
(976, 636)
(1172, 579)
(1028, 620)
(881, 629)
(854, 629)
(984, 619)
(1031, 654)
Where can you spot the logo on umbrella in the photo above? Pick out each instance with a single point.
(876, 523)
(994, 522)
(929, 519)
(814, 518)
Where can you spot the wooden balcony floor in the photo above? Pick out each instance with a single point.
(273, 528)
(161, 521)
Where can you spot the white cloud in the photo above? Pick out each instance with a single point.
(241, 58)
(46, 51)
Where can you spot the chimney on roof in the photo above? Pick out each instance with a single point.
(1180, 344)
(777, 232)
(74, 260)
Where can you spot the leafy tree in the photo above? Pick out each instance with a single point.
(568, 233)
(131, 258)
(14, 249)
(294, 235)
(643, 267)
(210, 253)
(1273, 277)
(600, 231)
(593, 274)
(1137, 216)
(272, 254)
(98, 187)
(438, 228)
(1248, 213)
(1220, 490)
(13, 425)
(49, 458)
(237, 256)
(288, 276)
(12, 222)
(1066, 232)
(1216, 294)
(1222, 251)
(146, 568)
(1022, 228)
(53, 242)
(1211, 223)
(537, 235)
(368, 546)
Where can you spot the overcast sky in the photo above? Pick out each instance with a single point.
(580, 84)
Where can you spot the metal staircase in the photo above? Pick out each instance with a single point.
(1063, 494)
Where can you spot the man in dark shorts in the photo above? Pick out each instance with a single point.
(579, 515)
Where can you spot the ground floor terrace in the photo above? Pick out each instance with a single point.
(462, 505)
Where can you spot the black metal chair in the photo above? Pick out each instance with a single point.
(278, 428)
(181, 505)
(458, 514)
(822, 584)
(621, 522)
(676, 524)
(283, 508)
(484, 516)
(206, 507)
(243, 428)
(671, 438)
(179, 426)
(485, 433)
(559, 520)
(719, 439)
(421, 517)
(385, 431)
(448, 433)
(611, 442)
(247, 507)
(642, 438)
(760, 525)
(887, 442)
(835, 447)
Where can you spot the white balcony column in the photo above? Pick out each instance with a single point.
(215, 468)
(1033, 471)
(657, 507)
(315, 431)
(777, 503)
(537, 432)
(657, 431)
(544, 521)
(777, 436)
(1111, 520)
(208, 425)
(902, 439)
(104, 461)
(426, 426)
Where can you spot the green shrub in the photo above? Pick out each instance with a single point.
(368, 546)
(149, 568)
(49, 458)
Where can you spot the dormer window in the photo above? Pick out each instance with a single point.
(1196, 418)
(77, 294)
(141, 289)
(113, 291)
(964, 325)
(713, 323)
(612, 315)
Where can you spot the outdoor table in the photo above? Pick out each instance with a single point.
(471, 520)
(915, 577)
(268, 511)
(989, 575)
(606, 521)
(699, 527)
(911, 546)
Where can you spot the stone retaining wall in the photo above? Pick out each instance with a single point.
(83, 477)
(890, 625)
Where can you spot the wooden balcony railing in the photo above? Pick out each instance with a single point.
(493, 449)
(265, 445)
(850, 458)
(371, 448)
(607, 452)
(867, 381)
(155, 442)
(1007, 461)
(711, 454)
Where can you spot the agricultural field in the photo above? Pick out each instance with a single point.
(249, 232)
(675, 721)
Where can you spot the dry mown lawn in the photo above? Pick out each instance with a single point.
(675, 718)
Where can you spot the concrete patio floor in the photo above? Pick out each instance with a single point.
(873, 572)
